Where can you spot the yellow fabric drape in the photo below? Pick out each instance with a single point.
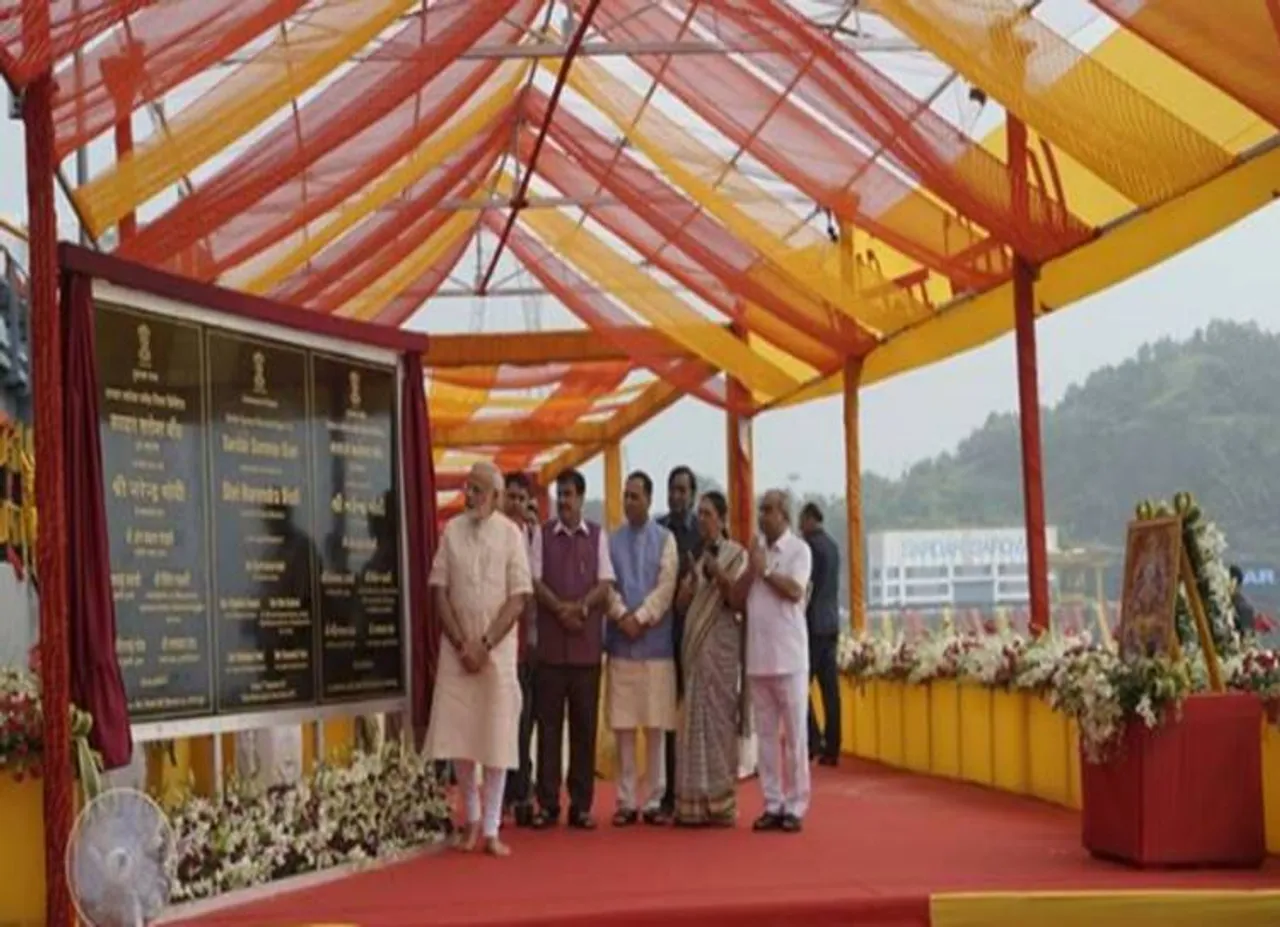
(373, 299)
(747, 210)
(656, 305)
(1145, 152)
(284, 70)
(433, 152)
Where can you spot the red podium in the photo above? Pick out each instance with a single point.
(1188, 793)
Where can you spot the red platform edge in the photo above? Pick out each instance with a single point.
(1188, 793)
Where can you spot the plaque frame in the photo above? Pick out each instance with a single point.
(130, 299)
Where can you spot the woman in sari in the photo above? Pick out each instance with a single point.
(712, 716)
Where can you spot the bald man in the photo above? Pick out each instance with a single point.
(481, 581)
(773, 590)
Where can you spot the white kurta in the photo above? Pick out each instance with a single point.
(476, 716)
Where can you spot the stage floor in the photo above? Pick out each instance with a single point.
(877, 845)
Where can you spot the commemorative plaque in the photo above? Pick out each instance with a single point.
(151, 376)
(264, 554)
(353, 436)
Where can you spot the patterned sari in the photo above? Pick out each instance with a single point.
(711, 716)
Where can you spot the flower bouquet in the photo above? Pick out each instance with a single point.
(1257, 670)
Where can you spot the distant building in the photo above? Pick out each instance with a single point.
(964, 568)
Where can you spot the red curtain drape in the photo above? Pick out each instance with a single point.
(421, 533)
(96, 684)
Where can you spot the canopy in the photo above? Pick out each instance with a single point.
(716, 190)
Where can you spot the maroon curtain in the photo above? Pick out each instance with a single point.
(96, 685)
(421, 532)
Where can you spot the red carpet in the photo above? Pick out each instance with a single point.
(876, 845)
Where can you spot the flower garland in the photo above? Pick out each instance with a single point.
(1206, 547)
(381, 804)
(22, 731)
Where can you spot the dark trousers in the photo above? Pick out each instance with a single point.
(520, 783)
(578, 688)
(822, 666)
(669, 797)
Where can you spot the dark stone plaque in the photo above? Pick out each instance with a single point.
(357, 524)
(151, 375)
(264, 555)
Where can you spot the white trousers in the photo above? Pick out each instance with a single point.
(780, 705)
(655, 776)
(483, 809)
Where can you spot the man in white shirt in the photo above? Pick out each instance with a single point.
(778, 663)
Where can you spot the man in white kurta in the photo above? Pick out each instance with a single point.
(778, 664)
(641, 648)
(481, 580)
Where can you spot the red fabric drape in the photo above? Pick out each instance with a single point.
(421, 532)
(96, 685)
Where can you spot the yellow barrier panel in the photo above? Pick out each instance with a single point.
(889, 720)
(944, 728)
(1106, 909)
(1049, 764)
(1009, 741)
(21, 861)
(866, 740)
(916, 726)
(280, 72)
(976, 758)
(1271, 784)
(1073, 757)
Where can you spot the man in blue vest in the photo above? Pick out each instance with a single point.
(641, 649)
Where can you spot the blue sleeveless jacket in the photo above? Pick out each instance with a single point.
(637, 555)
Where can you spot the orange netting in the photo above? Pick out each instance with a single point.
(1235, 46)
(149, 55)
(36, 33)
(1140, 149)
(572, 399)
(641, 343)
(861, 101)
(347, 136)
(391, 233)
(674, 234)
(794, 144)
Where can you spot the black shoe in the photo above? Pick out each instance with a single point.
(523, 815)
(544, 820)
(768, 821)
(625, 817)
(828, 761)
(580, 820)
(656, 817)
(790, 824)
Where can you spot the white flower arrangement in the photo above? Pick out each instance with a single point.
(940, 656)
(1041, 660)
(381, 804)
(992, 660)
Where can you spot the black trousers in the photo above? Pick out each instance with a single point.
(578, 689)
(519, 789)
(669, 796)
(822, 666)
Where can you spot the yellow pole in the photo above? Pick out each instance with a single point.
(613, 485)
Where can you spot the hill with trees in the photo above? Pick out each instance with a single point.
(1201, 414)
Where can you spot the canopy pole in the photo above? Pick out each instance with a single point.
(521, 196)
(1024, 315)
(612, 485)
(738, 465)
(51, 549)
(852, 385)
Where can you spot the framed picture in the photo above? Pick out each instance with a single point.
(1152, 561)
